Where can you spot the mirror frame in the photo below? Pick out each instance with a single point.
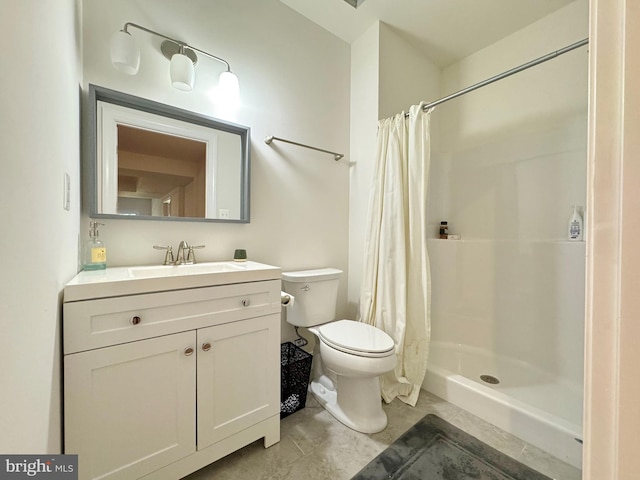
(97, 93)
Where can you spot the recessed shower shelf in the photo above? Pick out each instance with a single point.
(507, 240)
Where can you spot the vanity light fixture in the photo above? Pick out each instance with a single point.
(125, 56)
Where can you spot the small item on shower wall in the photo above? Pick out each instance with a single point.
(444, 230)
(94, 253)
(575, 224)
(240, 255)
(453, 237)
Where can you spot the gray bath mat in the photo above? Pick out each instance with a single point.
(436, 450)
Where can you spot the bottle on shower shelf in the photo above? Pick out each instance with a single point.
(444, 230)
(575, 225)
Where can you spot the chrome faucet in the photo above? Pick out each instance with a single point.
(191, 256)
(182, 258)
(168, 257)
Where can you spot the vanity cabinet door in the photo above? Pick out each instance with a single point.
(130, 409)
(238, 376)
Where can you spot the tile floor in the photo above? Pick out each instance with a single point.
(315, 446)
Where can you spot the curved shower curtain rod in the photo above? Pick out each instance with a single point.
(506, 74)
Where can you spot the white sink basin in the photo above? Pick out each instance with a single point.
(117, 281)
(160, 271)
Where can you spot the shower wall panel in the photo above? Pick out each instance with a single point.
(510, 163)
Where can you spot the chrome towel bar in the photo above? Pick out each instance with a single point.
(336, 156)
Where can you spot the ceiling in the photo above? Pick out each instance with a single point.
(157, 144)
(444, 30)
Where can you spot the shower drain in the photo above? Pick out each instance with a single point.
(489, 379)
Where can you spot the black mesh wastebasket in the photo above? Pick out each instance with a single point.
(295, 365)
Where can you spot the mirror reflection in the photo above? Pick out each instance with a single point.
(159, 174)
(153, 161)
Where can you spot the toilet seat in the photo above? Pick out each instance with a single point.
(356, 338)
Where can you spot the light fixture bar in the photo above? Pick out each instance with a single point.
(178, 42)
(125, 56)
(221, 60)
(170, 48)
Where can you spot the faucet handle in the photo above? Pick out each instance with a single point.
(168, 257)
(191, 256)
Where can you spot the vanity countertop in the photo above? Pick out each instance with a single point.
(118, 281)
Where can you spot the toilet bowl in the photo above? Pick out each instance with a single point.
(348, 384)
(348, 356)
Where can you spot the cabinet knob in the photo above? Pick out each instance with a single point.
(188, 351)
(135, 320)
(206, 347)
(246, 302)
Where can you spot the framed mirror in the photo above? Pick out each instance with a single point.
(151, 161)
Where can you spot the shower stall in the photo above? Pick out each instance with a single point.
(507, 310)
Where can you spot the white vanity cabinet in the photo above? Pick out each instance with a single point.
(130, 409)
(160, 384)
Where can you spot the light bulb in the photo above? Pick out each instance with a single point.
(182, 72)
(125, 54)
(228, 87)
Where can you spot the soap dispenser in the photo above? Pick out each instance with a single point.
(94, 253)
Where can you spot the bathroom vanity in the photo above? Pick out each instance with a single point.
(169, 368)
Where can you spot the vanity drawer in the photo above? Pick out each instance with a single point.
(99, 323)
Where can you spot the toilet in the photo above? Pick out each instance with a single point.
(348, 357)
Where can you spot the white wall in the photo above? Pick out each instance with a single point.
(39, 138)
(512, 162)
(406, 75)
(612, 355)
(388, 75)
(365, 65)
(294, 81)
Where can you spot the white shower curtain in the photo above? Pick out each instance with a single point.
(395, 293)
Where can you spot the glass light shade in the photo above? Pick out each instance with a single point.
(228, 86)
(182, 72)
(125, 54)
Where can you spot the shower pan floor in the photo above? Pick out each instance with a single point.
(528, 402)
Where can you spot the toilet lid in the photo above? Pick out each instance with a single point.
(356, 337)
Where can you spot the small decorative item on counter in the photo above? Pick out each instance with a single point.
(453, 237)
(444, 230)
(575, 225)
(240, 255)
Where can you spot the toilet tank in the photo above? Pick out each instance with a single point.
(315, 293)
